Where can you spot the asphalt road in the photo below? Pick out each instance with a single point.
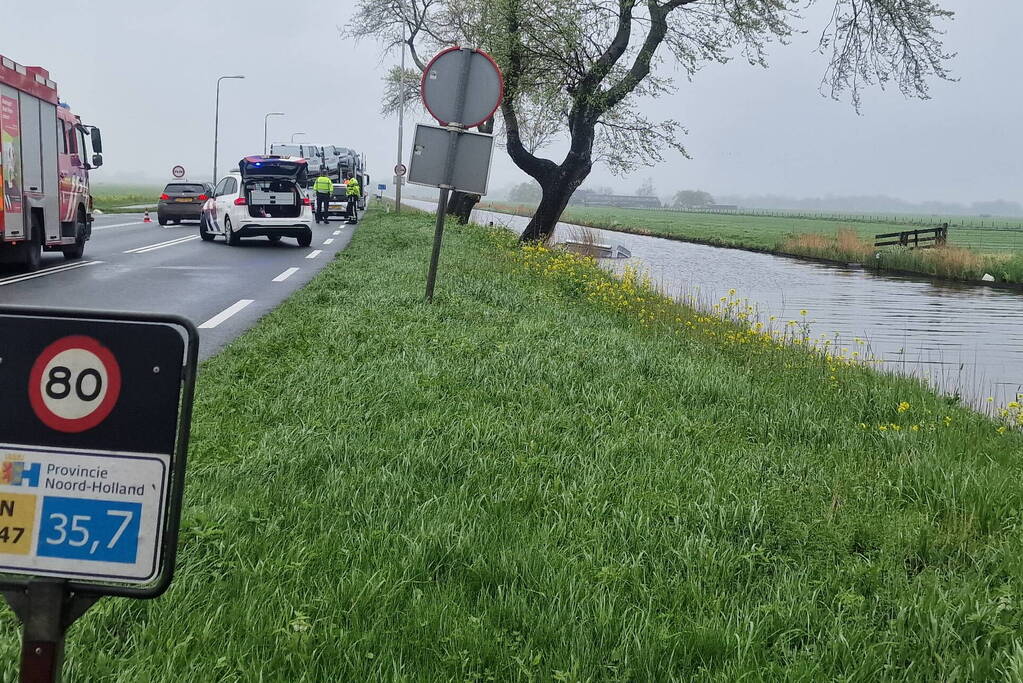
(134, 266)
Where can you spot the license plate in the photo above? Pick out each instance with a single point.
(184, 199)
(337, 206)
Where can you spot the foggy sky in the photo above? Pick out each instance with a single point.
(146, 74)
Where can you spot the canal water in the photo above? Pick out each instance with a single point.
(965, 340)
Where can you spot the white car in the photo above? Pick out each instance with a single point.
(266, 198)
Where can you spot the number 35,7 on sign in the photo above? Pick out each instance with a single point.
(74, 384)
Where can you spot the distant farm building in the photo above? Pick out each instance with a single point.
(617, 200)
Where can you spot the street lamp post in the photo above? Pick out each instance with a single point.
(216, 126)
(265, 119)
(294, 134)
(398, 180)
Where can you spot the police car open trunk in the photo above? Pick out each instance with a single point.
(273, 186)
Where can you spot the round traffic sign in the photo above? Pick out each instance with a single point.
(74, 384)
(484, 86)
(400, 169)
(178, 171)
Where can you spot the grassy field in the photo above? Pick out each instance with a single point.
(764, 232)
(553, 475)
(972, 252)
(110, 198)
(899, 219)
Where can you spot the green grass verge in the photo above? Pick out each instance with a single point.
(523, 481)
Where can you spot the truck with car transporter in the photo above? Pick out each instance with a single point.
(46, 203)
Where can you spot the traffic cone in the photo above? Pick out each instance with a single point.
(146, 219)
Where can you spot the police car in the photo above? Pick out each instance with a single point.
(265, 198)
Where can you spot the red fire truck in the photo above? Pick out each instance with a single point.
(44, 169)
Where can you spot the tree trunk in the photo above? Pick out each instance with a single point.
(461, 204)
(557, 190)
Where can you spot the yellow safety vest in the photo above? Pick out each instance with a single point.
(323, 184)
(353, 188)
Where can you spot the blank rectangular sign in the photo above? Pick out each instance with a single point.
(472, 159)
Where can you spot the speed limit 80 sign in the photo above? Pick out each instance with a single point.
(75, 383)
(93, 436)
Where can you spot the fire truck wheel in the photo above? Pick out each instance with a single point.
(204, 230)
(33, 252)
(230, 236)
(76, 250)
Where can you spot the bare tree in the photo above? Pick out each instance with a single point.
(575, 70)
(690, 199)
(646, 189)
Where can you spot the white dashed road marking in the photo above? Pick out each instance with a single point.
(314, 253)
(329, 240)
(285, 275)
(225, 314)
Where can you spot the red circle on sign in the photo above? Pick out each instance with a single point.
(178, 171)
(101, 411)
(500, 86)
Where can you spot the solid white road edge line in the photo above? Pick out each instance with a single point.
(172, 244)
(225, 314)
(161, 245)
(44, 273)
(329, 240)
(285, 275)
(115, 225)
(314, 253)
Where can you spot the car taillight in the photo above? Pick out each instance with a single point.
(164, 196)
(202, 198)
(306, 201)
(240, 201)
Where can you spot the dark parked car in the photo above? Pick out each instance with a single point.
(182, 201)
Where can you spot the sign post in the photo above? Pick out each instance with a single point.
(461, 88)
(93, 438)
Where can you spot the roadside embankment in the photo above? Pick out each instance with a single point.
(973, 252)
(550, 473)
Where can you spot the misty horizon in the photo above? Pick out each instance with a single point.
(752, 132)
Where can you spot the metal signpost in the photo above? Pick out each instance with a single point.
(461, 88)
(93, 439)
(471, 168)
(178, 171)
